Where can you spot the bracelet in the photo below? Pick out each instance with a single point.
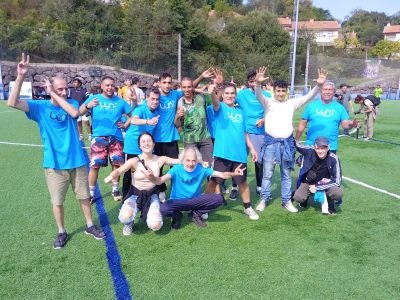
(86, 106)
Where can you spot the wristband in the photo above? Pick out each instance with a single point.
(86, 106)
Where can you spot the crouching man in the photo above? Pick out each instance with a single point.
(320, 173)
(186, 181)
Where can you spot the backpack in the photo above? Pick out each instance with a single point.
(375, 101)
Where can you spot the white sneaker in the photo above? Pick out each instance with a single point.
(204, 216)
(251, 213)
(162, 197)
(127, 229)
(289, 206)
(261, 206)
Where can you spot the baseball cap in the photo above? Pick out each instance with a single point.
(321, 141)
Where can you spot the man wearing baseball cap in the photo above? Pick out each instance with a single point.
(321, 172)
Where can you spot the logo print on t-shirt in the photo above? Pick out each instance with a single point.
(108, 106)
(168, 105)
(191, 180)
(236, 118)
(58, 116)
(326, 113)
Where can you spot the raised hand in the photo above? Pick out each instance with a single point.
(209, 73)
(260, 76)
(322, 74)
(219, 77)
(47, 86)
(239, 170)
(22, 67)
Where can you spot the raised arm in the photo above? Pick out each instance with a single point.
(209, 73)
(128, 165)
(13, 99)
(298, 102)
(61, 101)
(166, 160)
(260, 78)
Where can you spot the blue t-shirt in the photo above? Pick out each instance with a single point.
(324, 120)
(230, 140)
(252, 109)
(167, 131)
(186, 185)
(106, 115)
(131, 145)
(59, 133)
(210, 119)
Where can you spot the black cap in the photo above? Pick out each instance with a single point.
(321, 141)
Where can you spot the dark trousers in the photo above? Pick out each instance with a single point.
(169, 149)
(127, 179)
(199, 205)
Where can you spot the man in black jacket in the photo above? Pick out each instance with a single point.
(321, 172)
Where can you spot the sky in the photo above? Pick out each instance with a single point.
(339, 9)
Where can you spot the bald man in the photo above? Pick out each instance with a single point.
(64, 160)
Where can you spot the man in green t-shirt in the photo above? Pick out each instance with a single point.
(192, 120)
(378, 91)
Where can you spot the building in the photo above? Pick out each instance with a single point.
(325, 32)
(392, 33)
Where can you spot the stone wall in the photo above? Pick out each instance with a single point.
(89, 74)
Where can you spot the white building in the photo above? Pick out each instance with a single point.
(392, 33)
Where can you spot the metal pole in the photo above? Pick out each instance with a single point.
(294, 48)
(307, 63)
(179, 57)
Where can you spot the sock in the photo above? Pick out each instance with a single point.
(115, 186)
(91, 189)
(89, 224)
(247, 205)
(61, 230)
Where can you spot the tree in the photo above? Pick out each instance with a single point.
(385, 49)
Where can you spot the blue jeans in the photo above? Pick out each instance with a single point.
(269, 161)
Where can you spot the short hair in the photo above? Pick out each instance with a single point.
(193, 148)
(164, 75)
(135, 80)
(251, 74)
(153, 90)
(280, 84)
(57, 77)
(107, 77)
(145, 133)
(77, 79)
(358, 99)
(186, 78)
(227, 85)
(329, 82)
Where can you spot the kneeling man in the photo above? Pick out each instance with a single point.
(320, 173)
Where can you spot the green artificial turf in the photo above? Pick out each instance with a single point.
(282, 256)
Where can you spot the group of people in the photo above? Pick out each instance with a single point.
(219, 128)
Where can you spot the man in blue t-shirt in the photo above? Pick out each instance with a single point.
(64, 159)
(323, 118)
(107, 111)
(186, 182)
(230, 143)
(254, 116)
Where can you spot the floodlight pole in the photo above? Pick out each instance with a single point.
(296, 7)
(179, 57)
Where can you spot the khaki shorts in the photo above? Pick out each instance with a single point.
(58, 182)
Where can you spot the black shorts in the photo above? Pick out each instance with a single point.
(225, 165)
(169, 149)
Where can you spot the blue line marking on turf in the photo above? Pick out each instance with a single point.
(121, 286)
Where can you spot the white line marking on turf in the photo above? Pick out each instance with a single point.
(7, 111)
(28, 145)
(344, 177)
(372, 187)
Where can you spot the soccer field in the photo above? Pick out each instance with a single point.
(354, 254)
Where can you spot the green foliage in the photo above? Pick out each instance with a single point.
(386, 49)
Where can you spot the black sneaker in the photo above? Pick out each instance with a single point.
(198, 220)
(339, 202)
(234, 195)
(60, 241)
(92, 200)
(98, 234)
(116, 195)
(176, 221)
